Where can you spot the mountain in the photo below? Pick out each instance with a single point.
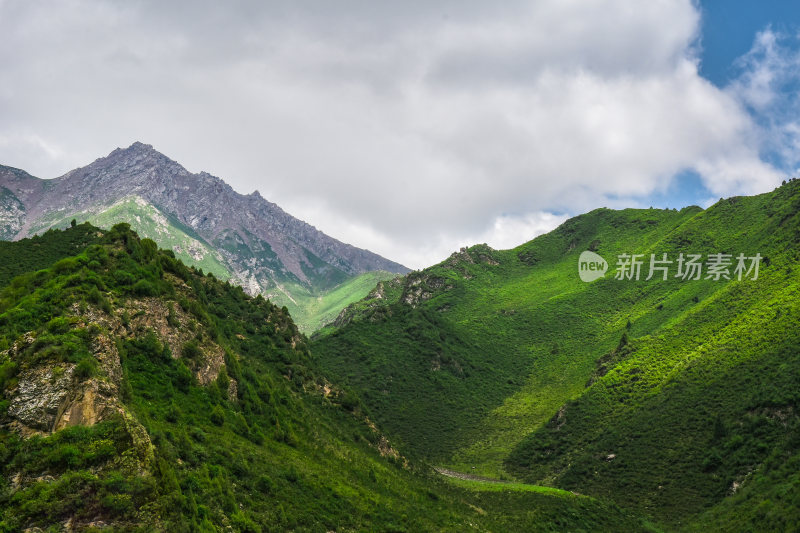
(675, 398)
(137, 394)
(203, 220)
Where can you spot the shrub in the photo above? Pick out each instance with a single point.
(144, 288)
(218, 415)
(8, 369)
(183, 376)
(173, 414)
(265, 485)
(95, 296)
(149, 249)
(119, 504)
(67, 264)
(58, 325)
(123, 277)
(86, 368)
(349, 401)
(64, 456)
(172, 317)
(190, 350)
(291, 475)
(223, 381)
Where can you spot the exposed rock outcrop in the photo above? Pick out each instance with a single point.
(51, 396)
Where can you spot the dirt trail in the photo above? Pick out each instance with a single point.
(471, 477)
(467, 477)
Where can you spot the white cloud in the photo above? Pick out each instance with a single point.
(29, 146)
(406, 128)
(511, 231)
(769, 85)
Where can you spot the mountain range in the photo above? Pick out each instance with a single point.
(137, 394)
(499, 390)
(244, 238)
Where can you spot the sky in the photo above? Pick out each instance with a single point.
(414, 128)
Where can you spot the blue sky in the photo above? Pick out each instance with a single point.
(730, 26)
(414, 128)
(729, 29)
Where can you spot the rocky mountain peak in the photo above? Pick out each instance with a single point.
(264, 248)
(141, 147)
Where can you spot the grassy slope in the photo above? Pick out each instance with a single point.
(312, 308)
(278, 456)
(707, 403)
(493, 344)
(464, 376)
(314, 311)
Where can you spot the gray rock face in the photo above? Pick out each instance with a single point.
(257, 238)
(50, 396)
(12, 214)
(39, 397)
(16, 186)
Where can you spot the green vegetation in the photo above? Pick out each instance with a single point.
(714, 390)
(42, 251)
(312, 304)
(264, 443)
(314, 311)
(194, 407)
(491, 343)
(677, 399)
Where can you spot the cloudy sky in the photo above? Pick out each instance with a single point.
(412, 128)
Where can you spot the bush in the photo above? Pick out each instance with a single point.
(67, 264)
(172, 317)
(86, 368)
(123, 277)
(265, 485)
(149, 249)
(150, 346)
(64, 456)
(183, 376)
(8, 369)
(349, 401)
(144, 288)
(218, 415)
(95, 296)
(190, 350)
(223, 381)
(59, 325)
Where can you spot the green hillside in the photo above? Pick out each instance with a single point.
(141, 395)
(705, 404)
(505, 364)
(312, 311)
(41, 251)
